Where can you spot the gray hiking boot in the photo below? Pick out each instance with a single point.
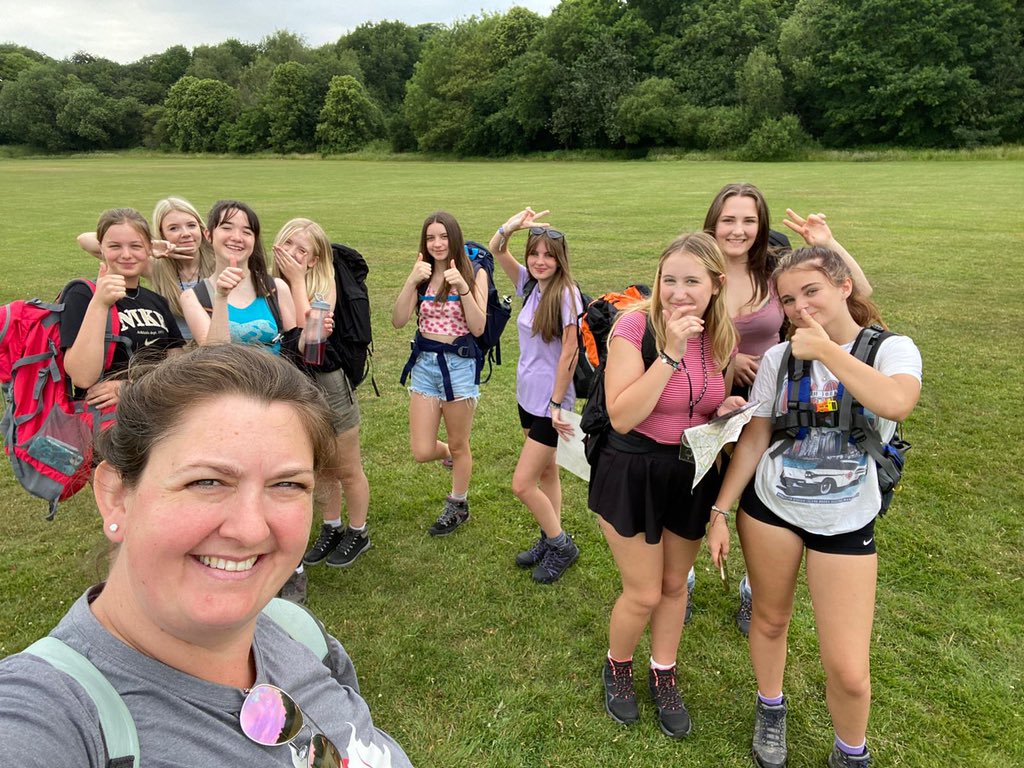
(619, 695)
(769, 744)
(295, 588)
(556, 561)
(530, 557)
(455, 513)
(746, 607)
(839, 759)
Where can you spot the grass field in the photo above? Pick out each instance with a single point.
(467, 662)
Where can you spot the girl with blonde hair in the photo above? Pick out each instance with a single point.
(304, 260)
(666, 371)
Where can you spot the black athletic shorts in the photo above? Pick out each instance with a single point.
(540, 428)
(859, 542)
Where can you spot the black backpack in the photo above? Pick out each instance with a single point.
(350, 346)
(499, 308)
(595, 422)
(849, 418)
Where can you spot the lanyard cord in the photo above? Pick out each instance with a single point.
(689, 382)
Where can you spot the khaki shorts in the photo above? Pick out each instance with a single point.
(341, 398)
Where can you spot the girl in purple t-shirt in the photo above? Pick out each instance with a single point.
(547, 359)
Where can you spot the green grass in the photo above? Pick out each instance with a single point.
(461, 656)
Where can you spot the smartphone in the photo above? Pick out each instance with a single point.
(735, 412)
(55, 453)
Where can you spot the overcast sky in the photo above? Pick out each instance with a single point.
(127, 30)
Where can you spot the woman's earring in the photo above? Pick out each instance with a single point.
(112, 527)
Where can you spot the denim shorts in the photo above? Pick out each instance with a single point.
(426, 378)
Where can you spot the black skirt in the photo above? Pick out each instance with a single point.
(640, 486)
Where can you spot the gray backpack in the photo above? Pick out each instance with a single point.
(118, 728)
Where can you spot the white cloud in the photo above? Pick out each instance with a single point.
(125, 31)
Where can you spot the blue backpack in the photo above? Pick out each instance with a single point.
(499, 308)
(117, 726)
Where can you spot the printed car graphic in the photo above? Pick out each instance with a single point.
(822, 478)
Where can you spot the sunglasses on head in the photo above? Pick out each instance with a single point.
(554, 234)
(271, 717)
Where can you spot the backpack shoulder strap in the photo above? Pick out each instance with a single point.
(302, 625)
(649, 345)
(202, 291)
(113, 335)
(270, 286)
(851, 413)
(528, 286)
(793, 379)
(118, 727)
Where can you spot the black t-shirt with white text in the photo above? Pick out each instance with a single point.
(145, 317)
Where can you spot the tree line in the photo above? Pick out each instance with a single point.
(763, 78)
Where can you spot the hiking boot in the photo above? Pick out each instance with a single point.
(769, 744)
(555, 561)
(329, 538)
(534, 554)
(746, 607)
(672, 715)
(839, 759)
(455, 514)
(691, 582)
(295, 588)
(619, 696)
(351, 546)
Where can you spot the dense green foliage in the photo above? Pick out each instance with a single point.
(763, 78)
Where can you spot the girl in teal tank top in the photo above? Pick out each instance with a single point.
(240, 286)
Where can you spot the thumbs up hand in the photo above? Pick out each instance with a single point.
(110, 287)
(229, 278)
(809, 339)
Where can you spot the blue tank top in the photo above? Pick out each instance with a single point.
(255, 324)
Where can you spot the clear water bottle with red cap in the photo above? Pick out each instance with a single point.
(316, 335)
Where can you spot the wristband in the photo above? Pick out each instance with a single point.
(717, 510)
(553, 404)
(673, 364)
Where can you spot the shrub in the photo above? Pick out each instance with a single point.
(775, 139)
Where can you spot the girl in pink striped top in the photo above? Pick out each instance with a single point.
(640, 487)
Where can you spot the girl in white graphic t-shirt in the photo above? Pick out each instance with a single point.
(781, 520)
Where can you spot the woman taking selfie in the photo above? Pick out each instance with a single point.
(206, 530)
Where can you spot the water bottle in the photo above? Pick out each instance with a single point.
(316, 339)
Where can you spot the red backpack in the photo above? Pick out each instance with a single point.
(47, 435)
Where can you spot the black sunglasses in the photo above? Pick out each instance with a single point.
(271, 717)
(554, 234)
